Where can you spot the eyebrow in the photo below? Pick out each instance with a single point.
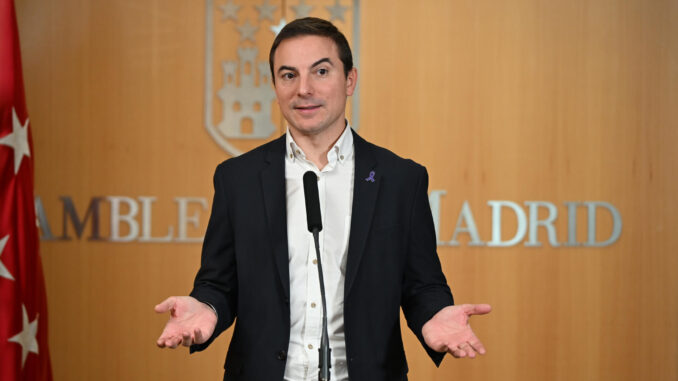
(316, 63)
(290, 68)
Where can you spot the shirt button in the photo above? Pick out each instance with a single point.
(341, 157)
(315, 261)
(312, 305)
(291, 156)
(282, 355)
(310, 346)
(298, 152)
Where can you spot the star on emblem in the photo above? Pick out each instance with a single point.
(26, 338)
(302, 9)
(277, 28)
(4, 273)
(247, 31)
(337, 11)
(266, 10)
(18, 140)
(230, 11)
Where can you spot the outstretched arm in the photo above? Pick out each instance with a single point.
(449, 330)
(191, 322)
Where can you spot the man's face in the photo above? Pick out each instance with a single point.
(310, 84)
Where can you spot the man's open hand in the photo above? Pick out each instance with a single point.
(191, 322)
(449, 330)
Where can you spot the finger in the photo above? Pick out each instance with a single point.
(466, 347)
(168, 341)
(477, 309)
(198, 336)
(187, 340)
(478, 346)
(173, 342)
(165, 305)
(162, 340)
(456, 352)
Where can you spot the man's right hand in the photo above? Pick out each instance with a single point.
(191, 322)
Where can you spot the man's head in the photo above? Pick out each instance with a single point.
(313, 26)
(311, 77)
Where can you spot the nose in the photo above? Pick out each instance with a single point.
(305, 86)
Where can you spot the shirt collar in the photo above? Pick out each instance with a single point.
(341, 151)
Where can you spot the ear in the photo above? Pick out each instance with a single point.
(351, 81)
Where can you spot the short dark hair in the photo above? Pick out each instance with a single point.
(313, 26)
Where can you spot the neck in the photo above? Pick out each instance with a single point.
(316, 146)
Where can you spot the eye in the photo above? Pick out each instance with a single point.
(323, 71)
(288, 76)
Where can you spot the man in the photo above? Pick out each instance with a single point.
(378, 243)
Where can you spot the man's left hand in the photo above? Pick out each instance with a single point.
(449, 330)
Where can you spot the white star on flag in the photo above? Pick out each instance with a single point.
(18, 140)
(26, 338)
(4, 273)
(24, 288)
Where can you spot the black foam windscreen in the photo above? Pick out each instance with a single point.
(312, 202)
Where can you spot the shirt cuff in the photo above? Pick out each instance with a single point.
(213, 309)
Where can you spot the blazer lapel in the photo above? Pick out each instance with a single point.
(366, 182)
(273, 189)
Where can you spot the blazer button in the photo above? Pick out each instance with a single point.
(282, 355)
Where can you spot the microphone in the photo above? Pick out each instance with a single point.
(312, 202)
(315, 225)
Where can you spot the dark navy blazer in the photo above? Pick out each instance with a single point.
(392, 263)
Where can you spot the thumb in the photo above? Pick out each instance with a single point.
(477, 309)
(165, 305)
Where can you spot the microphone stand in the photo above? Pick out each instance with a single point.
(324, 350)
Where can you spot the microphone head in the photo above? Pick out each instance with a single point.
(312, 202)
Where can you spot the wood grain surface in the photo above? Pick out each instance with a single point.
(518, 100)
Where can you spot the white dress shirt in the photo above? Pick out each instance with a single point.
(335, 188)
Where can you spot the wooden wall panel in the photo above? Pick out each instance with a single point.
(523, 100)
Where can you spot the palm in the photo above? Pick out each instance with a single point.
(190, 321)
(449, 330)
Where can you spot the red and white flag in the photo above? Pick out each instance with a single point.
(24, 354)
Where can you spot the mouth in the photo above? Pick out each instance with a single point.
(307, 108)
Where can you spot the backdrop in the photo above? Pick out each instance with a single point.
(549, 129)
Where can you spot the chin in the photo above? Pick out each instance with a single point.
(309, 127)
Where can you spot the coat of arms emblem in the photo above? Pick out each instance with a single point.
(240, 108)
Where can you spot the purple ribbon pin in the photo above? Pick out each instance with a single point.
(371, 177)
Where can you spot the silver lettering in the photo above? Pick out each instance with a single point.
(616, 224)
(185, 219)
(146, 227)
(434, 201)
(466, 217)
(572, 223)
(69, 212)
(43, 224)
(535, 222)
(496, 223)
(117, 218)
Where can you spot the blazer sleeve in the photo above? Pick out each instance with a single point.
(216, 280)
(425, 290)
